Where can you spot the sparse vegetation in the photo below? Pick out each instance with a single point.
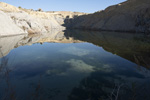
(47, 28)
(24, 28)
(20, 7)
(40, 10)
(13, 17)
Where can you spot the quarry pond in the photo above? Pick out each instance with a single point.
(75, 65)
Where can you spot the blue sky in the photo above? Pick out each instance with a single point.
(87, 6)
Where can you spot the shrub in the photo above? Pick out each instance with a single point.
(24, 28)
(19, 7)
(39, 9)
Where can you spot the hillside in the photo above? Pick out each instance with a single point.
(131, 16)
(16, 20)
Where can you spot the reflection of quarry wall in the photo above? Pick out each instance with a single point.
(132, 16)
(133, 47)
(9, 43)
(15, 20)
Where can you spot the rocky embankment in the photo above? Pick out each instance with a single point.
(15, 20)
(131, 16)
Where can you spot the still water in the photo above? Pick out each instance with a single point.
(75, 65)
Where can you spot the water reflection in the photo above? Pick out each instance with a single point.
(131, 46)
(75, 65)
